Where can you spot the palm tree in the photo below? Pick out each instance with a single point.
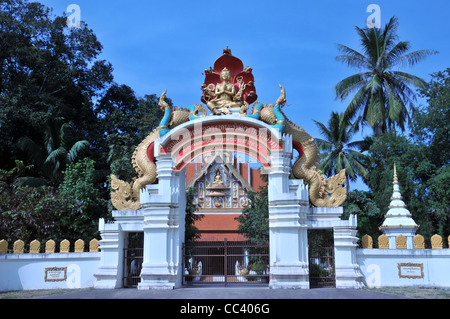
(338, 152)
(51, 158)
(382, 93)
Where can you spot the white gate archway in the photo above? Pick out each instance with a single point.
(163, 204)
(154, 202)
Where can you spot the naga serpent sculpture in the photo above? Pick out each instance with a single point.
(308, 156)
(219, 95)
(125, 195)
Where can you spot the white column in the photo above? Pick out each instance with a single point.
(178, 227)
(163, 228)
(109, 273)
(347, 270)
(288, 207)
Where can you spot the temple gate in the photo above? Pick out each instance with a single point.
(154, 203)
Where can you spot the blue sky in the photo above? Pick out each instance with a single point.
(158, 45)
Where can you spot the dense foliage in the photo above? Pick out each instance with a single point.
(338, 150)
(191, 231)
(254, 220)
(65, 121)
(422, 160)
(384, 94)
(65, 126)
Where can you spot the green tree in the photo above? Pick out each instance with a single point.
(51, 158)
(191, 232)
(124, 121)
(368, 214)
(431, 125)
(254, 220)
(383, 93)
(122, 112)
(411, 160)
(338, 149)
(79, 188)
(47, 71)
(30, 213)
(431, 130)
(51, 75)
(422, 161)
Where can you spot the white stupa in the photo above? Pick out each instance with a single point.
(398, 219)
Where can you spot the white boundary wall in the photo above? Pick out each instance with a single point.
(28, 271)
(380, 267)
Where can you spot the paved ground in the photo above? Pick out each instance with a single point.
(214, 302)
(225, 293)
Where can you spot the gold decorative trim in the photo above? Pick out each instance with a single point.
(367, 242)
(398, 226)
(383, 242)
(55, 269)
(400, 265)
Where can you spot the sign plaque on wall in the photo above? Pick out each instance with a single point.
(56, 274)
(410, 270)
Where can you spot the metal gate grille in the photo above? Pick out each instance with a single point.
(321, 258)
(132, 260)
(225, 263)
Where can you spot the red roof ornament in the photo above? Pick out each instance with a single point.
(238, 76)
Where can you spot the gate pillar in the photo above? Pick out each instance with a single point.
(288, 208)
(347, 270)
(163, 206)
(348, 273)
(108, 274)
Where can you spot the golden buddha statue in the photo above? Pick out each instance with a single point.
(225, 95)
(218, 181)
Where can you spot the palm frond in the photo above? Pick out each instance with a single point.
(348, 169)
(374, 112)
(357, 145)
(353, 127)
(356, 103)
(357, 163)
(56, 156)
(327, 165)
(409, 79)
(352, 57)
(395, 104)
(412, 58)
(324, 130)
(323, 145)
(367, 45)
(401, 89)
(389, 35)
(338, 166)
(397, 51)
(351, 83)
(76, 149)
(63, 133)
(374, 84)
(35, 152)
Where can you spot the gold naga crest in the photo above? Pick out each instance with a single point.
(230, 86)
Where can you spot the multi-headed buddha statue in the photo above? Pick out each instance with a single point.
(228, 85)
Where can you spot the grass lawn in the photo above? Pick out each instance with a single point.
(417, 293)
(30, 294)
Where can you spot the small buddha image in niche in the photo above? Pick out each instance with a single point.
(217, 185)
(218, 181)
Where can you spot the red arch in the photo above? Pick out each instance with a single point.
(246, 138)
